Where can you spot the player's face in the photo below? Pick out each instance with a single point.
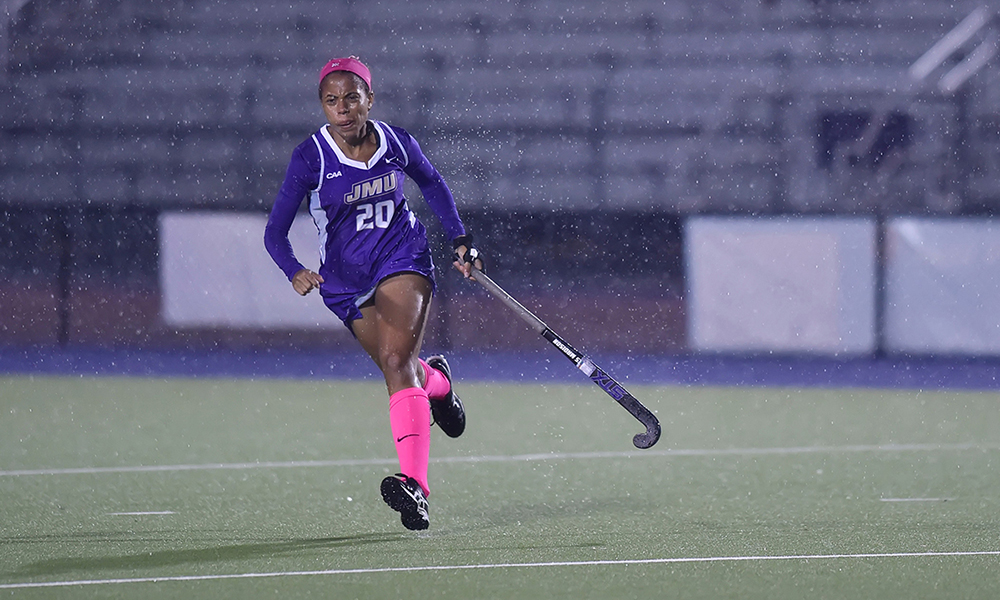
(345, 104)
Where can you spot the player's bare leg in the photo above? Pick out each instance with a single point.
(387, 332)
(391, 331)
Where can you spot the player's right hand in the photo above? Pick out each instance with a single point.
(304, 281)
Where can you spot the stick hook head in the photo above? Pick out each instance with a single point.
(649, 437)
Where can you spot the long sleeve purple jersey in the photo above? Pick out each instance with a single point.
(358, 208)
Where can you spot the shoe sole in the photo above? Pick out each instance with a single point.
(400, 501)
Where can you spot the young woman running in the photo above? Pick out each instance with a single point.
(376, 272)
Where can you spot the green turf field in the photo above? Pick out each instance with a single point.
(222, 488)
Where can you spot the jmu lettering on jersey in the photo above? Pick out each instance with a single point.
(383, 184)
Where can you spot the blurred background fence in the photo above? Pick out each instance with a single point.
(581, 139)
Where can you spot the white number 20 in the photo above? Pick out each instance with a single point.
(377, 215)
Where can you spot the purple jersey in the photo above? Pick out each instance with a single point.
(365, 226)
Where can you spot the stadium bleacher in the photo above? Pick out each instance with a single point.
(138, 73)
(642, 106)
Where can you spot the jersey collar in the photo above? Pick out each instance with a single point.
(383, 146)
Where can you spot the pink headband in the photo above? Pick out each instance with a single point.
(351, 65)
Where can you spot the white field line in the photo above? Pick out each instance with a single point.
(144, 513)
(553, 456)
(295, 464)
(915, 499)
(536, 565)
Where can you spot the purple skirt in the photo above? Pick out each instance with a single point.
(345, 289)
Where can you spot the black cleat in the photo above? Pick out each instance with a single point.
(449, 414)
(404, 495)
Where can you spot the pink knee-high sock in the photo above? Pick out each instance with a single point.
(410, 419)
(435, 383)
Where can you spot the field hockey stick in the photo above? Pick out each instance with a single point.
(597, 375)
